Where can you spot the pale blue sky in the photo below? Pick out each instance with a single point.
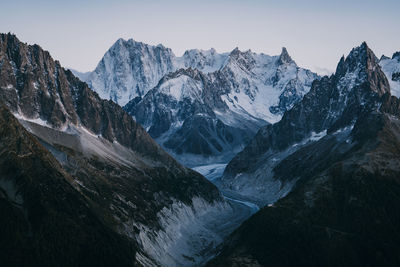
(316, 33)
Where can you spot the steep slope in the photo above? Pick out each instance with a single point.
(199, 116)
(341, 210)
(133, 186)
(333, 103)
(391, 67)
(44, 220)
(130, 69)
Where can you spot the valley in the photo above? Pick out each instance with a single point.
(213, 159)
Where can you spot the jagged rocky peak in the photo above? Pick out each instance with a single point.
(383, 57)
(396, 55)
(284, 57)
(191, 72)
(361, 65)
(31, 83)
(244, 58)
(205, 60)
(361, 55)
(115, 77)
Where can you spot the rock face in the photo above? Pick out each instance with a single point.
(346, 180)
(133, 186)
(130, 69)
(333, 103)
(391, 67)
(199, 116)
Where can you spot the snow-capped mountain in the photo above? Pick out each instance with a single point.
(333, 105)
(391, 67)
(130, 69)
(214, 114)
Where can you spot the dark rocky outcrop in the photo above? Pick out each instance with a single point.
(44, 220)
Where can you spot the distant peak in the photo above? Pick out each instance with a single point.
(363, 49)
(364, 44)
(120, 40)
(361, 56)
(383, 57)
(235, 51)
(362, 62)
(211, 51)
(284, 57)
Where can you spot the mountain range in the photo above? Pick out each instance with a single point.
(82, 183)
(202, 106)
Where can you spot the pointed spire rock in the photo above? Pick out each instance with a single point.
(363, 64)
(284, 57)
(341, 69)
(383, 57)
(235, 51)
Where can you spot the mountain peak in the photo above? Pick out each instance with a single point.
(383, 57)
(359, 58)
(284, 57)
(396, 56)
(235, 51)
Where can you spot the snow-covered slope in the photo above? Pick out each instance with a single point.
(391, 68)
(204, 60)
(129, 69)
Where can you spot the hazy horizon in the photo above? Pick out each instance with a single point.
(316, 33)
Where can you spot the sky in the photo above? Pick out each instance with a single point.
(315, 33)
